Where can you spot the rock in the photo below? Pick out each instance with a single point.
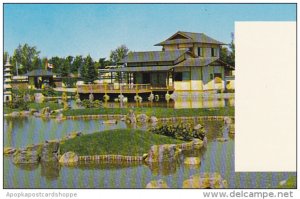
(145, 155)
(198, 126)
(9, 150)
(153, 119)
(50, 151)
(72, 135)
(25, 113)
(197, 143)
(37, 114)
(39, 97)
(143, 118)
(192, 160)
(15, 114)
(130, 117)
(227, 120)
(30, 155)
(109, 122)
(205, 181)
(222, 139)
(157, 184)
(32, 110)
(60, 116)
(162, 153)
(283, 182)
(69, 158)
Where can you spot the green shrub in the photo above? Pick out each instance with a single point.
(91, 104)
(181, 131)
(17, 103)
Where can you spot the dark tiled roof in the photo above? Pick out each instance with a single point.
(139, 69)
(197, 62)
(39, 72)
(153, 56)
(192, 38)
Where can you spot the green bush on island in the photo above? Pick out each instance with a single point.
(91, 104)
(131, 142)
(181, 131)
(17, 103)
(154, 111)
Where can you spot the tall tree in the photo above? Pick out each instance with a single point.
(64, 69)
(118, 54)
(23, 57)
(77, 64)
(89, 72)
(228, 54)
(5, 57)
(56, 62)
(36, 62)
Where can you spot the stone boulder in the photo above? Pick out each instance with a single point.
(162, 153)
(205, 181)
(37, 114)
(9, 150)
(30, 155)
(197, 143)
(157, 184)
(50, 151)
(153, 119)
(72, 135)
(198, 126)
(69, 158)
(130, 117)
(142, 118)
(192, 160)
(39, 97)
(15, 114)
(227, 120)
(25, 113)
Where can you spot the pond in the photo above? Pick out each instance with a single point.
(185, 101)
(217, 157)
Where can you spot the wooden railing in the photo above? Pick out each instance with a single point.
(114, 88)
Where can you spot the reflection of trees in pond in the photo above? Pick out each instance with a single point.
(27, 167)
(104, 165)
(50, 170)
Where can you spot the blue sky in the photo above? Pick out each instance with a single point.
(96, 29)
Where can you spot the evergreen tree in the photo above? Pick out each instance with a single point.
(89, 72)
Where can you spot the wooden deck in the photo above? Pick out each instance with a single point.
(119, 88)
(114, 88)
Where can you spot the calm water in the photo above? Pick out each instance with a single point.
(179, 103)
(218, 157)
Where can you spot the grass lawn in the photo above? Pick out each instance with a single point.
(38, 106)
(155, 111)
(290, 183)
(51, 105)
(119, 142)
